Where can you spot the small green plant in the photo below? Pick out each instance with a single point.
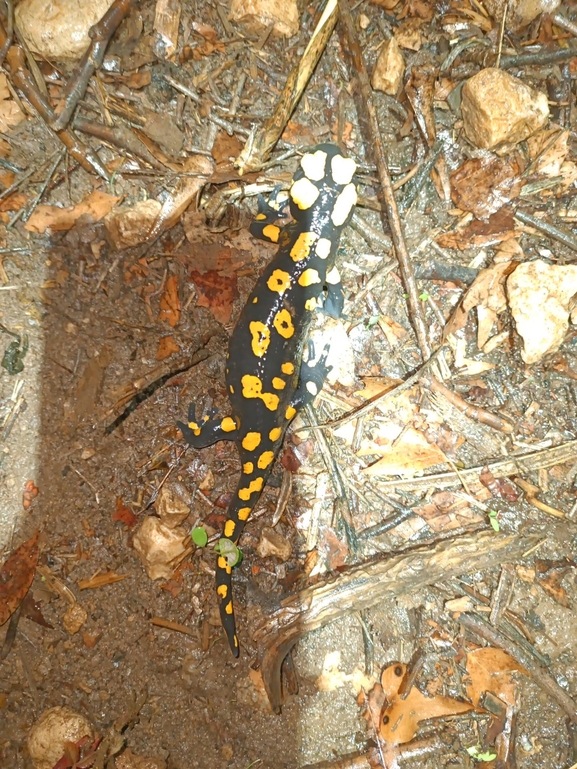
(478, 756)
(373, 320)
(199, 536)
(423, 296)
(494, 520)
(228, 550)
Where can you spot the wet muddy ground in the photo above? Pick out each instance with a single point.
(93, 318)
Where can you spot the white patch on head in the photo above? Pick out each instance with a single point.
(314, 164)
(304, 193)
(333, 277)
(323, 248)
(312, 388)
(344, 205)
(342, 169)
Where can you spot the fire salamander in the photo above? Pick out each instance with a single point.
(265, 380)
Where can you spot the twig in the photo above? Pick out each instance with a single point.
(557, 233)
(258, 148)
(100, 35)
(369, 123)
(523, 463)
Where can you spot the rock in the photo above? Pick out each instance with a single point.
(273, 543)
(256, 15)
(499, 109)
(519, 12)
(74, 617)
(128, 227)
(158, 546)
(389, 69)
(539, 297)
(58, 29)
(172, 504)
(48, 736)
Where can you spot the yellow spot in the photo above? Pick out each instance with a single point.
(342, 169)
(255, 300)
(260, 337)
(284, 324)
(308, 277)
(323, 248)
(333, 277)
(275, 434)
(228, 608)
(260, 217)
(235, 640)
(344, 205)
(248, 468)
(287, 368)
(271, 231)
(252, 388)
(228, 425)
(194, 427)
(313, 164)
(304, 193)
(290, 412)
(302, 246)
(231, 388)
(222, 590)
(243, 513)
(265, 459)
(229, 528)
(311, 304)
(223, 564)
(278, 383)
(279, 281)
(251, 441)
(252, 487)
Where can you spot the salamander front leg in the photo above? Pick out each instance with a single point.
(335, 296)
(269, 211)
(208, 430)
(312, 378)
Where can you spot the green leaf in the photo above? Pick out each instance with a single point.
(423, 296)
(486, 756)
(373, 320)
(228, 550)
(473, 750)
(494, 520)
(199, 536)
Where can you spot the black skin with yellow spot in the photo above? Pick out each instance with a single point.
(265, 380)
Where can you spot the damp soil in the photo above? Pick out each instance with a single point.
(91, 316)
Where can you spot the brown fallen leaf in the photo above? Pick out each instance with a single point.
(123, 513)
(490, 670)
(29, 495)
(484, 185)
(400, 718)
(549, 576)
(406, 456)
(97, 205)
(499, 228)
(167, 346)
(217, 292)
(170, 302)
(16, 576)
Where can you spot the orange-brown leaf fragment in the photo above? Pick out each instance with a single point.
(97, 205)
(123, 513)
(400, 718)
(29, 495)
(217, 292)
(170, 302)
(16, 577)
(490, 671)
(167, 346)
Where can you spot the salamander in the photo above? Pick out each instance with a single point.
(266, 380)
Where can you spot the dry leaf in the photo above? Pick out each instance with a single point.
(490, 671)
(484, 185)
(16, 576)
(400, 718)
(170, 302)
(97, 205)
(167, 346)
(407, 456)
